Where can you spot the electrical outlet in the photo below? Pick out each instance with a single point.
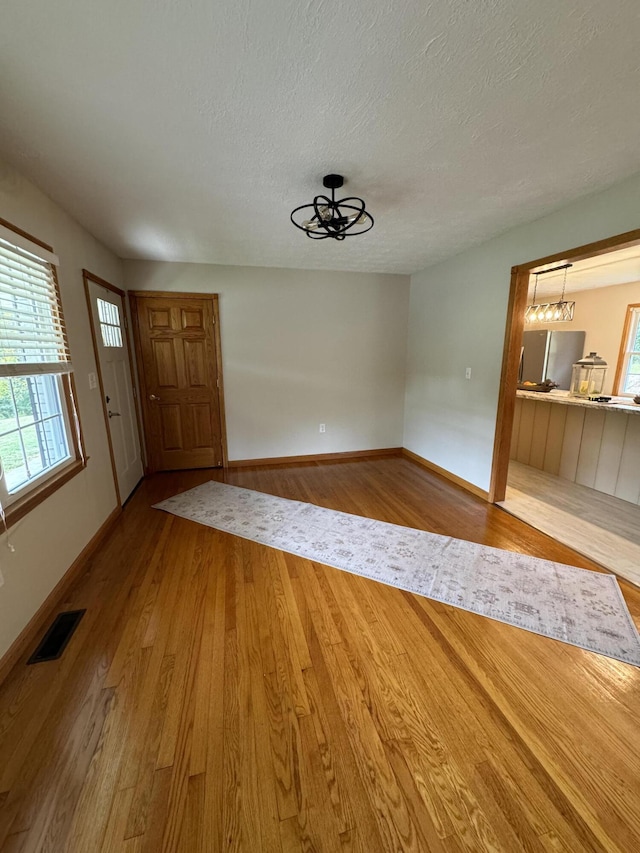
(323, 428)
(1, 579)
(467, 373)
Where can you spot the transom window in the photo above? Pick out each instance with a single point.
(109, 316)
(628, 376)
(39, 429)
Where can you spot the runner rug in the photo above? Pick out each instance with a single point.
(569, 604)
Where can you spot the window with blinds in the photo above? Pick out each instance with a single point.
(37, 415)
(32, 335)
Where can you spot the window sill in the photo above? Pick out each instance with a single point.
(40, 493)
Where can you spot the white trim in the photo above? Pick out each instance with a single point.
(28, 246)
(8, 498)
(37, 368)
(43, 476)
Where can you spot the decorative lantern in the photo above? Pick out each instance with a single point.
(587, 378)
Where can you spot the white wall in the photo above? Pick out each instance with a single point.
(457, 319)
(50, 537)
(300, 348)
(601, 313)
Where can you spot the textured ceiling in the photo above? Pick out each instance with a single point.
(620, 267)
(188, 130)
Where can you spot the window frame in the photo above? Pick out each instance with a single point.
(624, 357)
(33, 493)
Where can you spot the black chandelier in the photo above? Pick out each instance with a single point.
(326, 217)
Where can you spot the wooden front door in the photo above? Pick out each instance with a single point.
(178, 350)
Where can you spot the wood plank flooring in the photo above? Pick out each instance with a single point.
(603, 527)
(222, 696)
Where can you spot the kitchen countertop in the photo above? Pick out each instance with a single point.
(562, 397)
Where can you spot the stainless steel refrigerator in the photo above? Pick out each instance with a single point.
(550, 355)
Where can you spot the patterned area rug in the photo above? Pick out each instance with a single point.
(576, 606)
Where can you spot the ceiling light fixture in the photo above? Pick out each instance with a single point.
(326, 217)
(550, 312)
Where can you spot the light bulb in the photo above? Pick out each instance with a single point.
(549, 314)
(360, 217)
(325, 213)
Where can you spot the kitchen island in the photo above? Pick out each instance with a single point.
(592, 444)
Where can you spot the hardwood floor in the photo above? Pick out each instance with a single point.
(220, 695)
(602, 526)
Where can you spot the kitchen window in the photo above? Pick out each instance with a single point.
(40, 438)
(628, 372)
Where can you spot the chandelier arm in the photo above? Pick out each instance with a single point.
(343, 201)
(316, 235)
(316, 206)
(361, 210)
(302, 207)
(357, 222)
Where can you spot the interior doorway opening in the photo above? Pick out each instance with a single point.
(567, 464)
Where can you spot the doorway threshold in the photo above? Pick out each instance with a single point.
(603, 528)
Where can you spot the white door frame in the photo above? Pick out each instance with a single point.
(89, 277)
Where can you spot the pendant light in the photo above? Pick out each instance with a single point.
(550, 312)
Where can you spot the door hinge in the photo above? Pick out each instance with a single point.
(133, 388)
(217, 383)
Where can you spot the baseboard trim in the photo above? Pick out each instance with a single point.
(453, 478)
(317, 457)
(29, 634)
(364, 454)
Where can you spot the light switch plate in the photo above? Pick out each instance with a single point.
(93, 381)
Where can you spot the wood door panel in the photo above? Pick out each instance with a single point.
(192, 319)
(164, 364)
(171, 427)
(160, 319)
(195, 361)
(201, 426)
(178, 357)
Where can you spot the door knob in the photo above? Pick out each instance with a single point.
(114, 414)
(153, 397)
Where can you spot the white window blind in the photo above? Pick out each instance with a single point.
(32, 335)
